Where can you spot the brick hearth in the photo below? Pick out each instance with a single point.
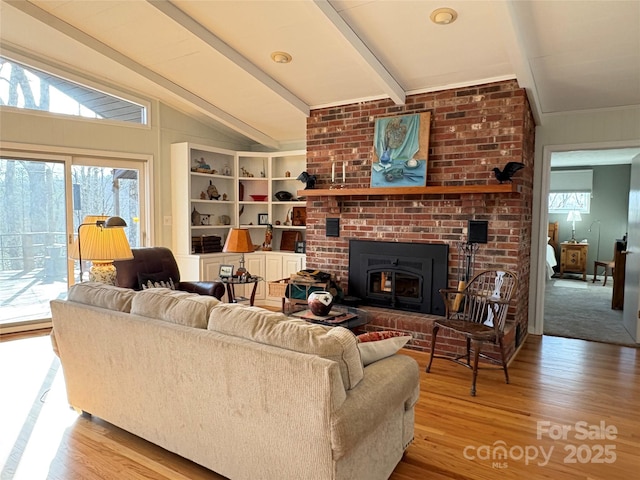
(473, 130)
(420, 325)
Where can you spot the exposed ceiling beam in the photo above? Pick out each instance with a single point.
(389, 84)
(188, 23)
(184, 95)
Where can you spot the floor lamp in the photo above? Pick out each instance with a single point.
(598, 244)
(102, 240)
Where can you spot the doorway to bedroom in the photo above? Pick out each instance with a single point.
(588, 204)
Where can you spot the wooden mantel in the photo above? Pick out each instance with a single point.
(433, 190)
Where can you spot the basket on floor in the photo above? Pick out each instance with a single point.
(277, 288)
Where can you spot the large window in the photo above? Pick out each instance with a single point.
(29, 88)
(570, 191)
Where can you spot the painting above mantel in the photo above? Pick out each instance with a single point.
(400, 151)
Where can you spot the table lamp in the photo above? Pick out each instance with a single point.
(102, 241)
(573, 217)
(239, 241)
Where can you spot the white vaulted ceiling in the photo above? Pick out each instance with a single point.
(211, 59)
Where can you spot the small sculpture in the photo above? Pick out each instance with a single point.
(310, 180)
(212, 191)
(268, 236)
(508, 171)
(202, 165)
(245, 172)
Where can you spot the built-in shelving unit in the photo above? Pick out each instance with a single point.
(245, 184)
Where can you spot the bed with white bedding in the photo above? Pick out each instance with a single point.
(552, 248)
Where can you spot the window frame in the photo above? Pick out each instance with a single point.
(583, 208)
(83, 81)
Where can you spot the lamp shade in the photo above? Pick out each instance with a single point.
(574, 216)
(101, 240)
(238, 241)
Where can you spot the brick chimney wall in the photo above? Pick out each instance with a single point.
(473, 130)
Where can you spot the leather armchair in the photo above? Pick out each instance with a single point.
(160, 261)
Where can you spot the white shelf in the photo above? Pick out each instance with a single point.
(200, 200)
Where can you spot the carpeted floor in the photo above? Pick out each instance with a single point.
(578, 309)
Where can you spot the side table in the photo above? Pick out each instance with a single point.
(231, 282)
(573, 258)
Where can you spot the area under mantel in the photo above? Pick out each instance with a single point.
(431, 190)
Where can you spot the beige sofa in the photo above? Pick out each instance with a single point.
(245, 392)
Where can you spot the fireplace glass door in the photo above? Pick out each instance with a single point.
(391, 287)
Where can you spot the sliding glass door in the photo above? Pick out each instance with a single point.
(33, 237)
(43, 200)
(112, 188)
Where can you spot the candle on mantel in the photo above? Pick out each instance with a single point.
(344, 172)
(333, 172)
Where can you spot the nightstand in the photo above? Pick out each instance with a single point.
(573, 258)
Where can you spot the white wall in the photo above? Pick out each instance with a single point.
(167, 126)
(580, 130)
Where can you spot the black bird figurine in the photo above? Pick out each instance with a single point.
(310, 180)
(505, 174)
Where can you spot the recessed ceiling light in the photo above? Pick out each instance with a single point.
(281, 57)
(443, 16)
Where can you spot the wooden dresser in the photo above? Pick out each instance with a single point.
(573, 258)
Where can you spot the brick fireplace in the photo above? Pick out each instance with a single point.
(473, 130)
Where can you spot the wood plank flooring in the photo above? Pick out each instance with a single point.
(570, 385)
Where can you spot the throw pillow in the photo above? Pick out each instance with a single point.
(375, 346)
(155, 280)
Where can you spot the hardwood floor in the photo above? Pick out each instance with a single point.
(555, 380)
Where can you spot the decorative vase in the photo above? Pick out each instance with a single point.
(195, 217)
(320, 303)
(385, 158)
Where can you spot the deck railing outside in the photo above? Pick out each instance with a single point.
(33, 270)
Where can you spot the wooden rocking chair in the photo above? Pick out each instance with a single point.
(479, 312)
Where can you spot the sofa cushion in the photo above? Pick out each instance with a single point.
(271, 328)
(189, 309)
(102, 295)
(375, 346)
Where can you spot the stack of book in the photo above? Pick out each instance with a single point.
(206, 244)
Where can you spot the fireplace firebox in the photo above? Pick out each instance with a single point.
(399, 275)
